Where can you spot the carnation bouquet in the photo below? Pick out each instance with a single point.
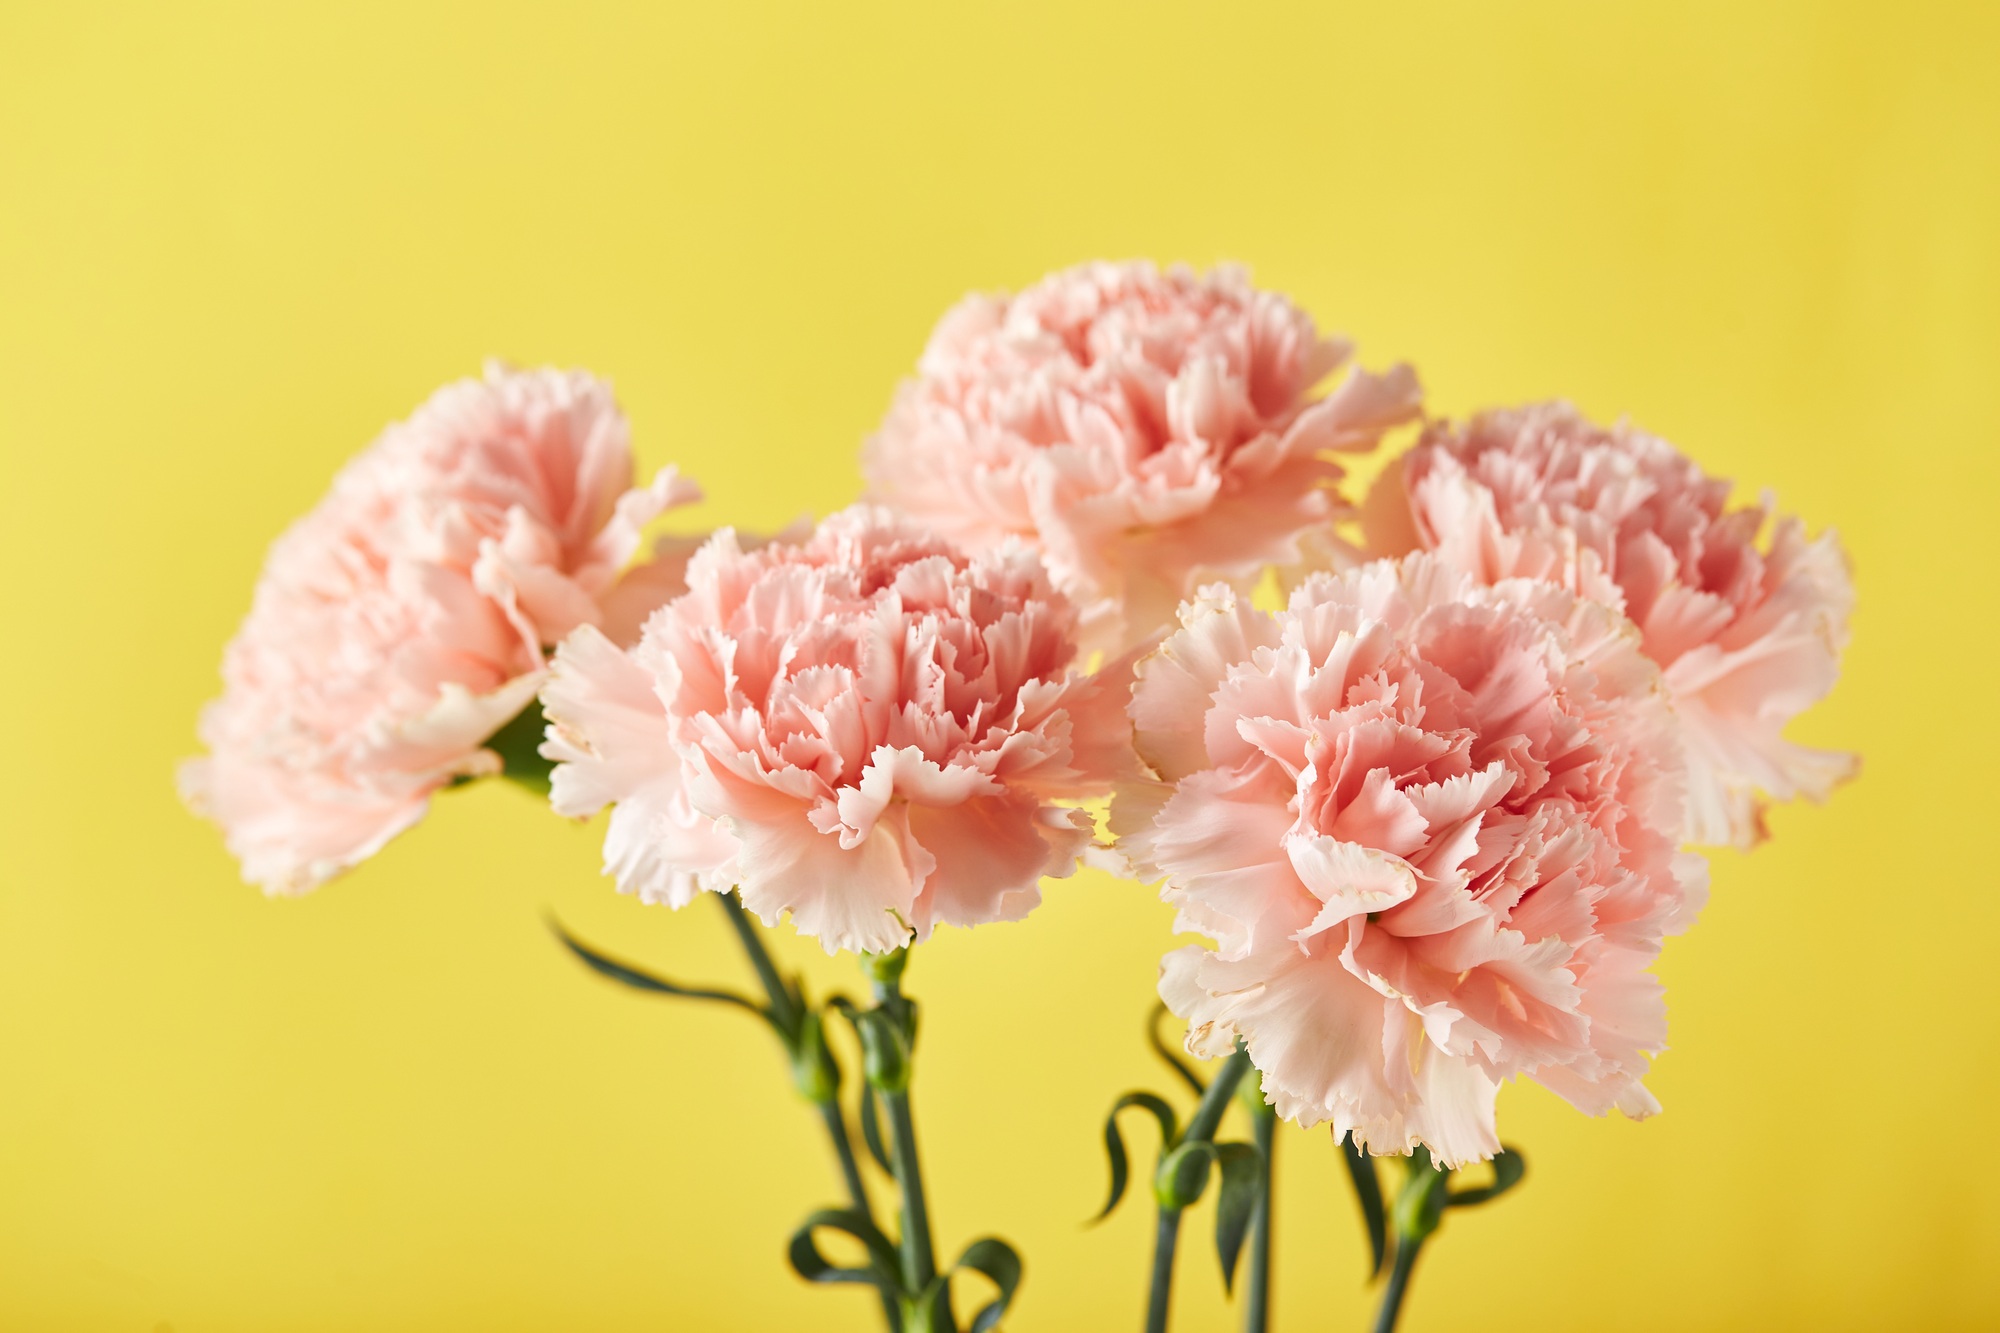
(1425, 771)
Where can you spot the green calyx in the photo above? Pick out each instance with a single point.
(1428, 1191)
(885, 1050)
(1182, 1174)
(1420, 1206)
(885, 970)
(815, 1073)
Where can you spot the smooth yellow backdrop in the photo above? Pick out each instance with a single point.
(235, 239)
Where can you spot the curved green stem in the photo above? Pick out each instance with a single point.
(784, 1007)
(843, 1151)
(786, 1016)
(850, 1175)
(1200, 1129)
(1257, 1300)
(1208, 1114)
(1399, 1284)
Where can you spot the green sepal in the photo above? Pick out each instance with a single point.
(886, 969)
(885, 1049)
(871, 1130)
(1167, 1053)
(626, 975)
(1183, 1174)
(1508, 1168)
(519, 745)
(1420, 1206)
(815, 1073)
(1114, 1142)
(1368, 1191)
(1240, 1165)
(813, 1266)
(996, 1261)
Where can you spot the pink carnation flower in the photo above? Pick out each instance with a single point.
(403, 621)
(1430, 826)
(1147, 430)
(867, 729)
(1748, 636)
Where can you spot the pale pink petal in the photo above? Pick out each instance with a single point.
(1748, 633)
(1177, 682)
(861, 727)
(403, 621)
(989, 856)
(1348, 878)
(1431, 826)
(1149, 430)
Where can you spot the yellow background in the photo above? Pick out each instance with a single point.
(237, 239)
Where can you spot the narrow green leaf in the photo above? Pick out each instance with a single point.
(1242, 1181)
(813, 1266)
(1508, 1168)
(1368, 1191)
(1167, 1053)
(1114, 1143)
(626, 975)
(1121, 1167)
(871, 1130)
(996, 1261)
(1183, 1174)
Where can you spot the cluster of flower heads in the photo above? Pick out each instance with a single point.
(1431, 814)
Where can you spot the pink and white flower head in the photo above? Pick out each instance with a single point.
(403, 621)
(1147, 429)
(1430, 825)
(868, 729)
(1747, 635)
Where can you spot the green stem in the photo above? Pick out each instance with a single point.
(1257, 1300)
(1166, 1238)
(1419, 1209)
(843, 1150)
(850, 1175)
(919, 1264)
(1200, 1129)
(919, 1261)
(1208, 1114)
(1399, 1283)
(784, 1008)
(785, 1012)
